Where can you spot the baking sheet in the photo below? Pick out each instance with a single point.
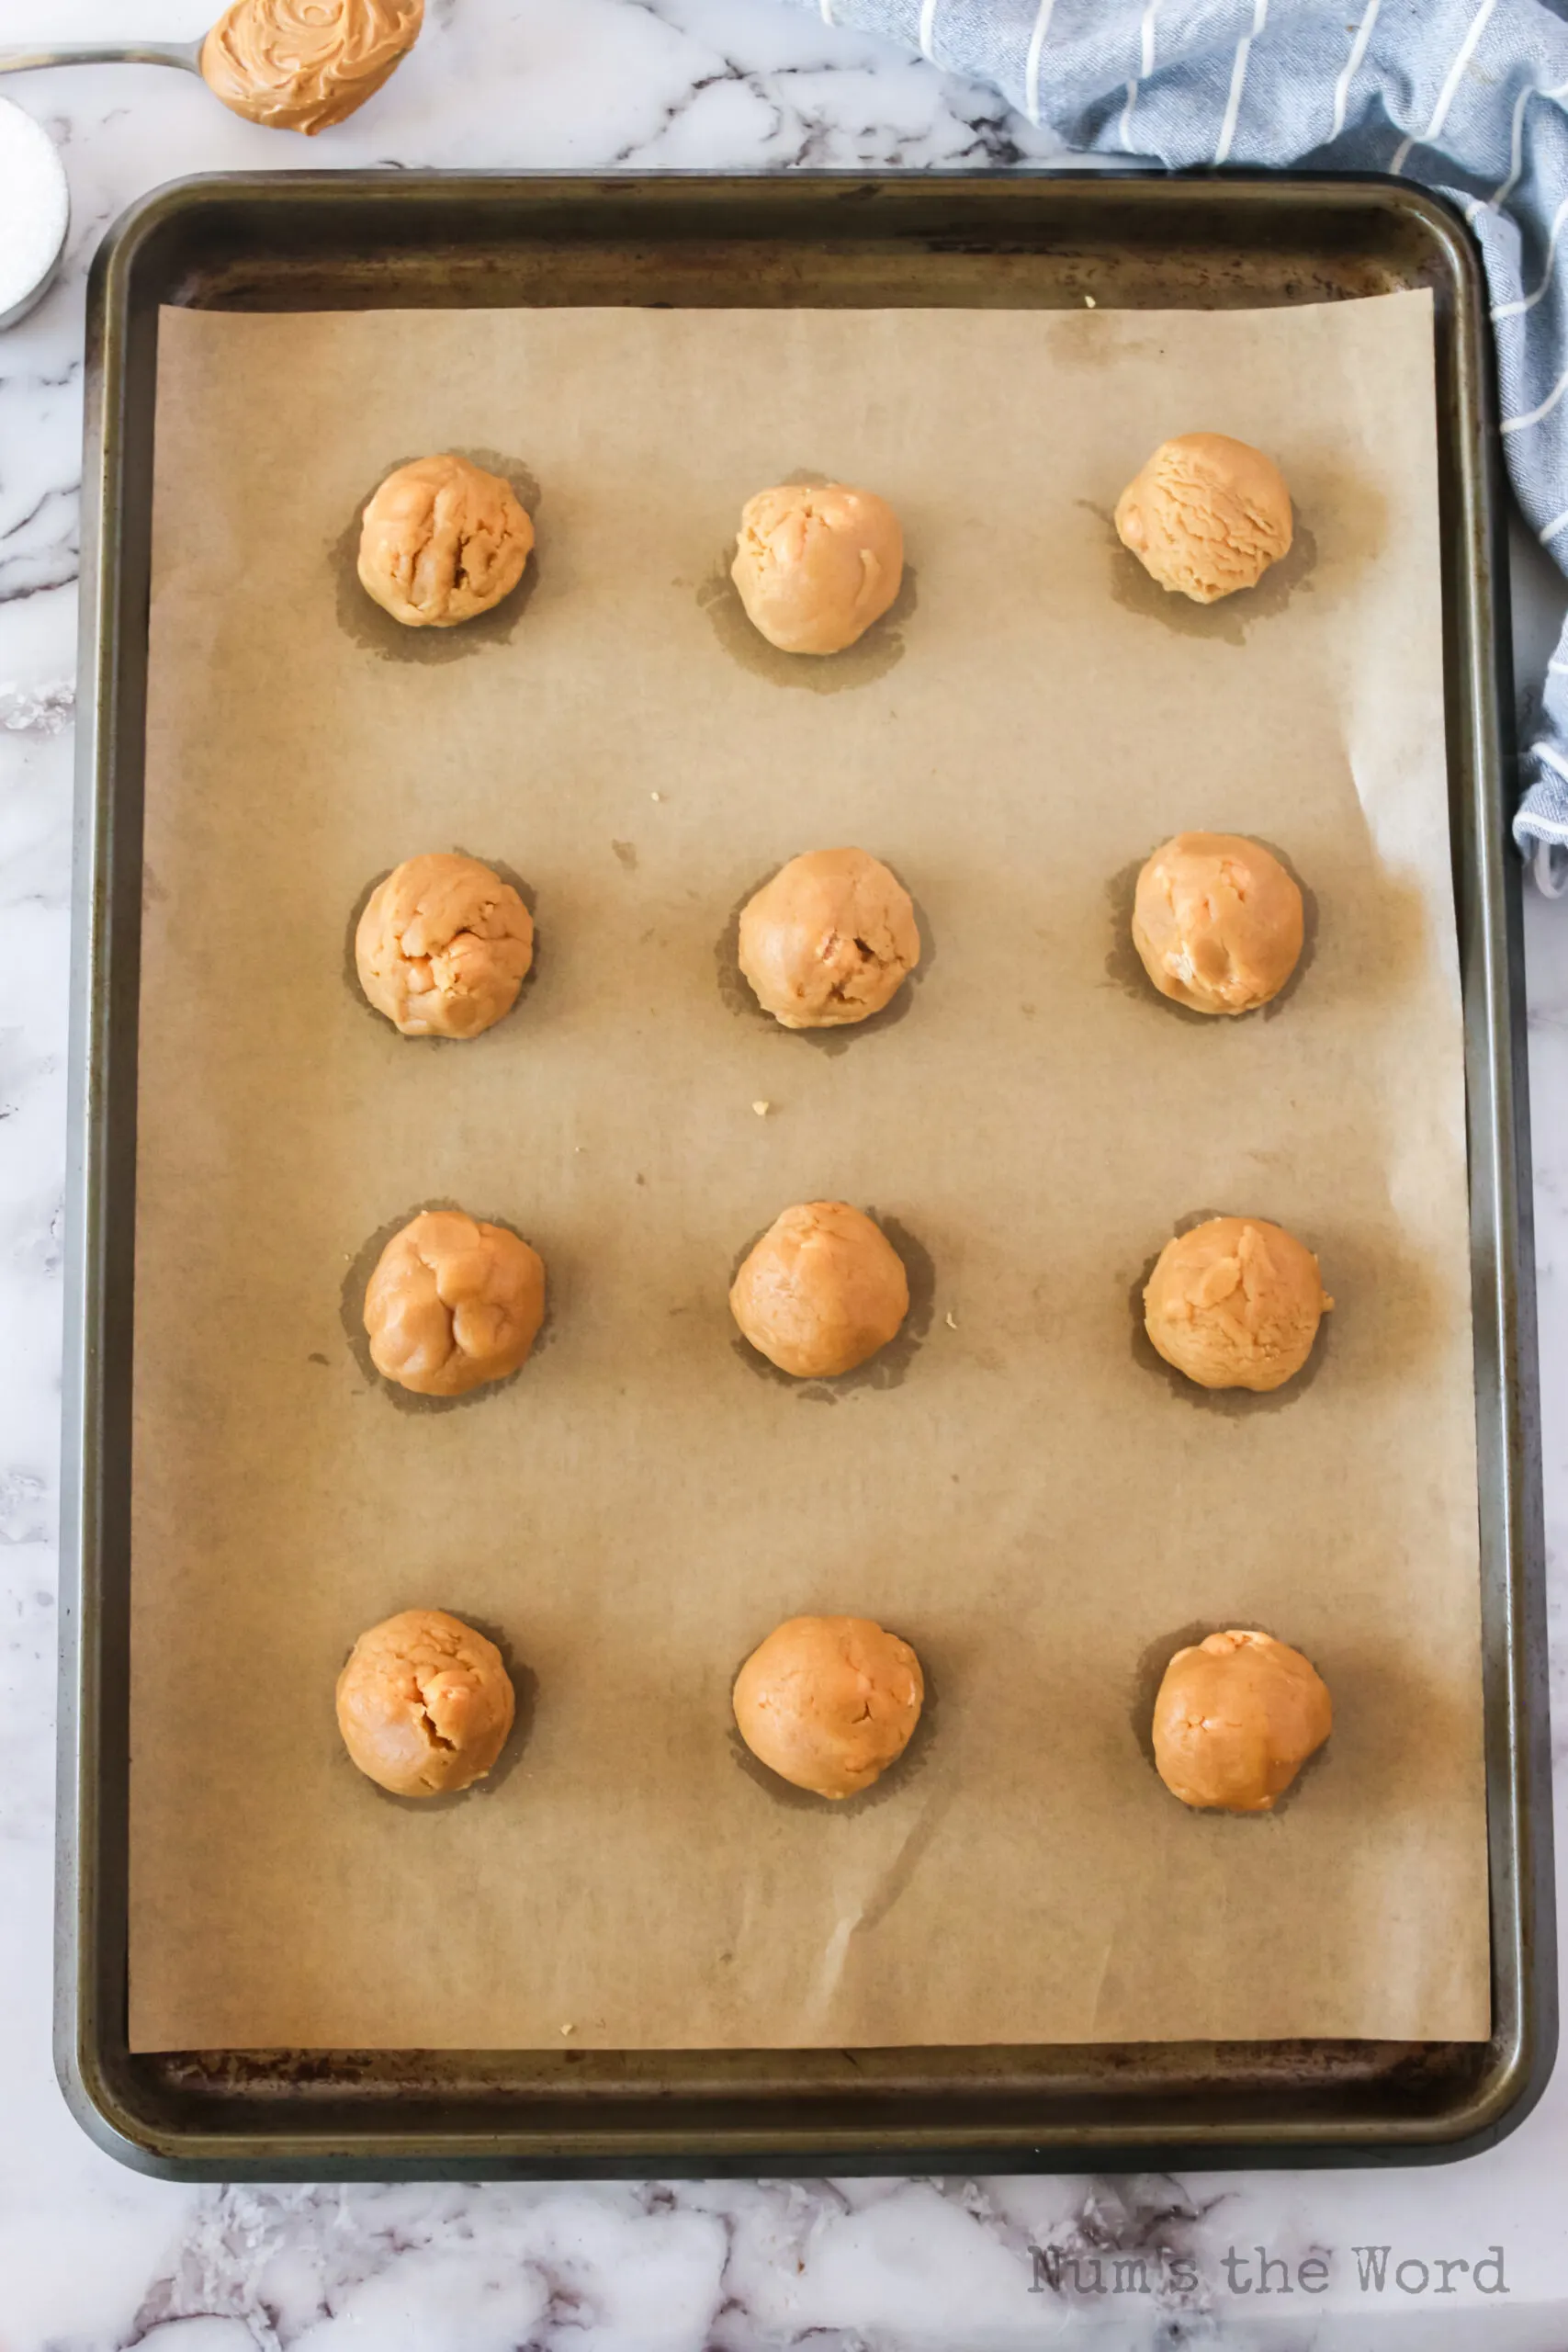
(1022, 1493)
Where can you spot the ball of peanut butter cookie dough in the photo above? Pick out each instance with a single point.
(452, 1303)
(442, 540)
(814, 568)
(1217, 922)
(1206, 516)
(822, 1291)
(425, 1703)
(828, 1702)
(443, 946)
(829, 940)
(1236, 1304)
(1236, 1719)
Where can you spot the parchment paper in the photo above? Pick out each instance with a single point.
(1021, 1490)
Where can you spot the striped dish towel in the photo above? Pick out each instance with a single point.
(1465, 96)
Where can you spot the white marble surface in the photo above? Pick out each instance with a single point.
(91, 2256)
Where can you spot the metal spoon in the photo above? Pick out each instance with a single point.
(185, 53)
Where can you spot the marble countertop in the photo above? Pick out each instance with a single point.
(93, 2257)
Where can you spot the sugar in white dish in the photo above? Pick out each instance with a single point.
(34, 211)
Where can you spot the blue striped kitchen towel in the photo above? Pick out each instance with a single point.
(1467, 96)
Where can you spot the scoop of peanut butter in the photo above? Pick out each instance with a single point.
(441, 541)
(425, 1703)
(452, 1303)
(443, 946)
(303, 64)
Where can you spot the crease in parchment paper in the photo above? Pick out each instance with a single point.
(872, 1906)
(1094, 2029)
(1031, 1503)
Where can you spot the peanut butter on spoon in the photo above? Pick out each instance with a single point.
(305, 64)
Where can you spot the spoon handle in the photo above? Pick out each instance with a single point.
(103, 52)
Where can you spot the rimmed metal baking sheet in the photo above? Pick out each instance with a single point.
(337, 241)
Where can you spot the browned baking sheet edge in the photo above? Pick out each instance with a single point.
(300, 241)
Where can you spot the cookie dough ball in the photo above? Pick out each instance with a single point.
(1207, 515)
(828, 1702)
(1236, 1304)
(814, 568)
(829, 940)
(441, 541)
(425, 1703)
(1236, 1720)
(822, 1291)
(1217, 922)
(452, 1303)
(304, 64)
(443, 946)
